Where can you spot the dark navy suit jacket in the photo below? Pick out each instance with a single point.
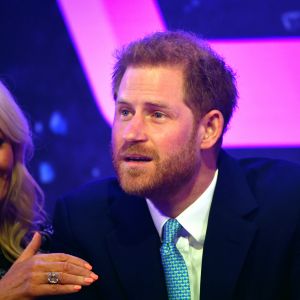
(251, 250)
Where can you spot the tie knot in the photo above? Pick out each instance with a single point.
(170, 230)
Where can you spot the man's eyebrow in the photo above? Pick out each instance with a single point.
(148, 104)
(157, 105)
(122, 101)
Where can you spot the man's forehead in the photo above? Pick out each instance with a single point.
(152, 78)
(144, 67)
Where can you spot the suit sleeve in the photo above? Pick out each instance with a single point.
(63, 239)
(295, 265)
(63, 242)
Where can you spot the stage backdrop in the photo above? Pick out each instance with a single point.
(56, 58)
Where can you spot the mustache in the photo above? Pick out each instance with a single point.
(130, 149)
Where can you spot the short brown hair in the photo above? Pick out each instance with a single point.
(209, 82)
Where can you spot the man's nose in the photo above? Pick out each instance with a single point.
(135, 130)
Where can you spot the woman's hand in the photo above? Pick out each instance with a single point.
(28, 276)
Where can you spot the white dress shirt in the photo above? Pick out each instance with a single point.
(191, 239)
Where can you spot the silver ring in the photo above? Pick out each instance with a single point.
(53, 278)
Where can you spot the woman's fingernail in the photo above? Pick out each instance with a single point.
(88, 280)
(88, 266)
(77, 287)
(94, 276)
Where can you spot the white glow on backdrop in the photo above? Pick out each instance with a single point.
(268, 70)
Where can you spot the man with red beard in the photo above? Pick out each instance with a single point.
(238, 222)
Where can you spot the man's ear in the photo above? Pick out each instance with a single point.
(211, 129)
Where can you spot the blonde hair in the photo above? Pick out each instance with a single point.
(21, 211)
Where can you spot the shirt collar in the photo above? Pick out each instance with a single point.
(193, 217)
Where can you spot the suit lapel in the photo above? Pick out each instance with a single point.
(134, 249)
(231, 229)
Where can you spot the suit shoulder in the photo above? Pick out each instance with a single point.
(268, 165)
(275, 175)
(93, 194)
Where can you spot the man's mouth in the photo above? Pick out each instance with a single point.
(136, 158)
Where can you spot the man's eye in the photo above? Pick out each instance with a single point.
(158, 115)
(124, 113)
(2, 141)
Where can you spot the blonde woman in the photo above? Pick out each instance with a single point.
(24, 273)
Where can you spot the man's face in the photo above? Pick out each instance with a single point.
(154, 139)
(6, 165)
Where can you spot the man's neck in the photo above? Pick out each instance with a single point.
(173, 203)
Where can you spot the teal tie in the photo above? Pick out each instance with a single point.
(176, 273)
